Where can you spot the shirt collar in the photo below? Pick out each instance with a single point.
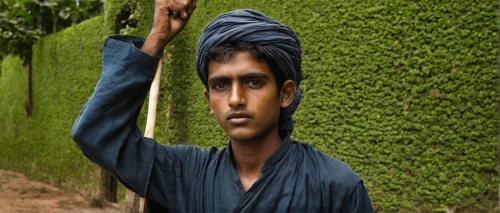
(273, 159)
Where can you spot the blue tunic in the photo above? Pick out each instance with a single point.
(296, 178)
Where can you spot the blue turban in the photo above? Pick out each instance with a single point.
(280, 43)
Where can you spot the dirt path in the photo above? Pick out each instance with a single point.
(20, 194)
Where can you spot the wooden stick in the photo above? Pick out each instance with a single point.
(154, 93)
(140, 204)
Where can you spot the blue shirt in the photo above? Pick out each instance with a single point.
(296, 178)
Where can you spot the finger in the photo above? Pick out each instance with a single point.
(186, 12)
(174, 14)
(191, 7)
(178, 5)
(162, 10)
(183, 6)
(190, 11)
(175, 5)
(184, 3)
(176, 9)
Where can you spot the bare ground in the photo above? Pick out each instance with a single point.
(20, 194)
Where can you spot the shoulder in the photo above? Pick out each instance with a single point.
(190, 152)
(339, 188)
(332, 171)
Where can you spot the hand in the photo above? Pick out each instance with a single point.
(170, 17)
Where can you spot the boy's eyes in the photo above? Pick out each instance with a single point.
(219, 85)
(250, 83)
(254, 83)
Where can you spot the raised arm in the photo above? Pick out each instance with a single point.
(106, 129)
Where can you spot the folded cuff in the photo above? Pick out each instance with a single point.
(125, 51)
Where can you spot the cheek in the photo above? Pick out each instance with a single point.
(217, 109)
(213, 102)
(271, 106)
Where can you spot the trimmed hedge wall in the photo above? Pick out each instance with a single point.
(65, 65)
(403, 91)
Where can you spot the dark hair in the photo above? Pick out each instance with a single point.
(224, 52)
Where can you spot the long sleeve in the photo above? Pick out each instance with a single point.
(105, 129)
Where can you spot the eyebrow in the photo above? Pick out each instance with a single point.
(248, 75)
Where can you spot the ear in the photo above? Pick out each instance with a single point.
(207, 98)
(287, 93)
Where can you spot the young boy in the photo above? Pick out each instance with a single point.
(251, 68)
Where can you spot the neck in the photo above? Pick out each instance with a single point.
(250, 156)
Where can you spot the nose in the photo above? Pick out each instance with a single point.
(236, 96)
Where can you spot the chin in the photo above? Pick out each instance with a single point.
(239, 135)
(247, 134)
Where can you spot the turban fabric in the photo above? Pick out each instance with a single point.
(280, 43)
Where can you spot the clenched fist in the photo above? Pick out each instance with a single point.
(170, 17)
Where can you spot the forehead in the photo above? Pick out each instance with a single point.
(240, 63)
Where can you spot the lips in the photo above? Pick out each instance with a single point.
(238, 115)
(238, 118)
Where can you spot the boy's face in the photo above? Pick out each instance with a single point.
(243, 97)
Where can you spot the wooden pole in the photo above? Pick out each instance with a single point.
(139, 203)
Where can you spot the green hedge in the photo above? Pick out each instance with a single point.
(12, 99)
(403, 91)
(65, 65)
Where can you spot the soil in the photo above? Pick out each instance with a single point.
(20, 194)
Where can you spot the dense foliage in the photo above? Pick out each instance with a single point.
(23, 22)
(65, 68)
(403, 91)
